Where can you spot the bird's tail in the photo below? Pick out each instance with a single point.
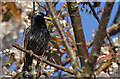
(27, 62)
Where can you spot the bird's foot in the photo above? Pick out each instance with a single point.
(41, 58)
(31, 52)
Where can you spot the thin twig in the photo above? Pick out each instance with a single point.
(90, 43)
(41, 5)
(46, 61)
(94, 13)
(110, 40)
(45, 8)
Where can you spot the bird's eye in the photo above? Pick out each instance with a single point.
(37, 13)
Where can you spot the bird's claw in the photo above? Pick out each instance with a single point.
(41, 58)
(31, 52)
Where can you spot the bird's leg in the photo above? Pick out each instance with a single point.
(41, 58)
(31, 52)
(39, 65)
(39, 61)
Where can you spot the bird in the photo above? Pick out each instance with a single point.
(36, 39)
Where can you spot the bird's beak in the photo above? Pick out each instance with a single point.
(48, 18)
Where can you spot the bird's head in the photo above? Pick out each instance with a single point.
(39, 17)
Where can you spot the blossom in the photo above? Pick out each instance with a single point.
(14, 73)
(103, 74)
(116, 41)
(35, 61)
(5, 70)
(105, 50)
(63, 22)
(114, 73)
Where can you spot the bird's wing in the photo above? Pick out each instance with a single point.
(26, 37)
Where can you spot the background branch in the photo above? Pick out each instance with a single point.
(98, 41)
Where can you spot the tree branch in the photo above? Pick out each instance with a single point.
(46, 61)
(78, 31)
(72, 54)
(98, 41)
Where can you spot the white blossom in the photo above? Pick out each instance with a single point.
(48, 67)
(66, 28)
(14, 73)
(116, 41)
(105, 50)
(19, 70)
(115, 69)
(70, 67)
(9, 32)
(35, 61)
(103, 74)
(63, 22)
(65, 13)
(5, 70)
(55, 32)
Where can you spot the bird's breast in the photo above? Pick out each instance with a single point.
(38, 40)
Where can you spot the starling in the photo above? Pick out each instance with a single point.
(36, 38)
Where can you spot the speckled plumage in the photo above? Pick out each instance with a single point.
(36, 39)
